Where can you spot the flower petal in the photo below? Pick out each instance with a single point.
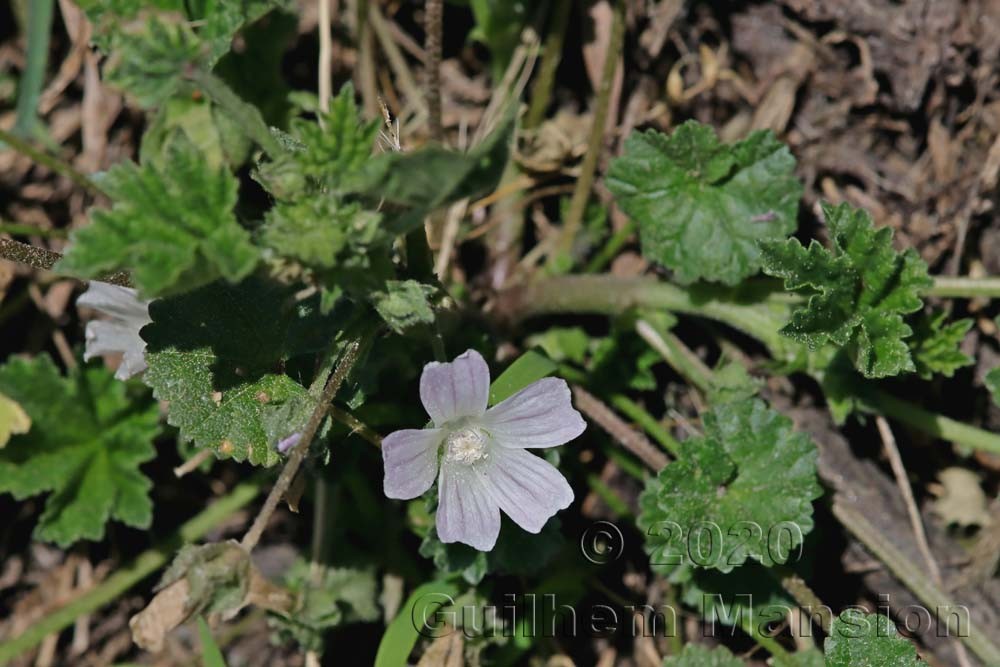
(121, 303)
(120, 332)
(457, 389)
(466, 511)
(411, 461)
(114, 337)
(540, 415)
(529, 489)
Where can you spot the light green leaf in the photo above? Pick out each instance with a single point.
(529, 367)
(702, 206)
(402, 634)
(322, 153)
(13, 420)
(858, 639)
(404, 304)
(414, 183)
(211, 655)
(217, 356)
(695, 655)
(992, 379)
(173, 227)
(742, 491)
(214, 22)
(859, 291)
(934, 346)
(85, 447)
(730, 382)
(323, 233)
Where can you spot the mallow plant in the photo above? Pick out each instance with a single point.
(262, 300)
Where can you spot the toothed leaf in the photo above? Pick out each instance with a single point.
(858, 639)
(86, 443)
(171, 226)
(222, 357)
(742, 491)
(859, 290)
(702, 205)
(934, 345)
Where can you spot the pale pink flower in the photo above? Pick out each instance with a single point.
(119, 333)
(478, 455)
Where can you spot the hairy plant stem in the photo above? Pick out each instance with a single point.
(965, 288)
(782, 658)
(541, 93)
(916, 580)
(18, 229)
(581, 193)
(132, 573)
(611, 248)
(29, 88)
(44, 259)
(750, 309)
(804, 596)
(48, 161)
(433, 20)
(298, 453)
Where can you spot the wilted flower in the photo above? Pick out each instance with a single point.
(478, 455)
(285, 444)
(120, 331)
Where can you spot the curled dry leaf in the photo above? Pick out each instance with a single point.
(13, 419)
(960, 498)
(209, 578)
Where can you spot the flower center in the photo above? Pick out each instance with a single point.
(466, 445)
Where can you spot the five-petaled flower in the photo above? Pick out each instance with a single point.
(478, 455)
(120, 332)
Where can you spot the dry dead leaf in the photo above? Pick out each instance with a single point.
(960, 498)
(446, 651)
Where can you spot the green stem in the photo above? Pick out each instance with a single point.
(937, 425)
(245, 115)
(29, 88)
(804, 596)
(54, 164)
(611, 248)
(648, 422)
(128, 576)
(914, 578)
(945, 286)
(769, 644)
(630, 409)
(298, 454)
(552, 54)
(610, 498)
(750, 310)
(628, 464)
(17, 229)
(753, 311)
(675, 353)
(581, 193)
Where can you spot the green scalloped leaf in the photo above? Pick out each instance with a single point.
(859, 290)
(224, 358)
(935, 344)
(858, 639)
(701, 205)
(87, 441)
(743, 491)
(171, 226)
